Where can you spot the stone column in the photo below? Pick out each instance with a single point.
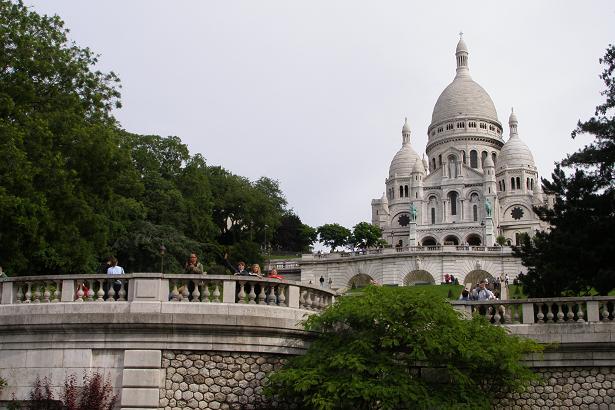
(141, 379)
(489, 235)
(412, 237)
(6, 297)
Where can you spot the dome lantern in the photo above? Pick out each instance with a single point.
(462, 57)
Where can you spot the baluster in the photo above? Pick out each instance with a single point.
(580, 314)
(216, 293)
(206, 293)
(37, 292)
(196, 294)
(100, 293)
(550, 314)
(540, 316)
(262, 296)
(110, 290)
(515, 313)
(302, 297)
(506, 311)
(251, 295)
(315, 300)
(28, 295)
(560, 312)
(175, 292)
(570, 314)
(46, 293)
(20, 295)
(281, 296)
(604, 312)
(496, 314)
(185, 294)
(57, 294)
(122, 292)
(90, 291)
(80, 292)
(489, 313)
(271, 299)
(242, 294)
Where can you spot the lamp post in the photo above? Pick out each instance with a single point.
(162, 251)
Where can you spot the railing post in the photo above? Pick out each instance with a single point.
(147, 287)
(528, 313)
(68, 290)
(228, 294)
(593, 313)
(6, 297)
(293, 297)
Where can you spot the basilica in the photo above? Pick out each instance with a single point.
(453, 211)
(471, 186)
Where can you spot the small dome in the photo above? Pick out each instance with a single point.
(406, 127)
(461, 46)
(418, 167)
(403, 161)
(515, 154)
(513, 118)
(488, 162)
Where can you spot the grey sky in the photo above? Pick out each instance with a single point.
(314, 93)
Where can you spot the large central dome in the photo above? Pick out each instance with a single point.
(463, 97)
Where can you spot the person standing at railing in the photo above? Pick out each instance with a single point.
(256, 270)
(482, 293)
(193, 266)
(239, 270)
(113, 268)
(273, 274)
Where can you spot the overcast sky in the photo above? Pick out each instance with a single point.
(314, 93)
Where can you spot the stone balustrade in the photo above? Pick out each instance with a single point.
(543, 310)
(164, 288)
(507, 250)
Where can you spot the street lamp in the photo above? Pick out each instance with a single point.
(162, 251)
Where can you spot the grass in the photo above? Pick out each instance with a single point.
(435, 291)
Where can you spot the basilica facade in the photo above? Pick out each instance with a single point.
(471, 186)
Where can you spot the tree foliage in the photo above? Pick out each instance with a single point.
(76, 188)
(365, 235)
(293, 235)
(333, 235)
(578, 254)
(391, 348)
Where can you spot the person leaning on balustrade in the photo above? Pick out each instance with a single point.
(273, 274)
(256, 270)
(193, 266)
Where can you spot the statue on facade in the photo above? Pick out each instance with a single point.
(488, 207)
(412, 212)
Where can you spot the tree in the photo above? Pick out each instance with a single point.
(366, 235)
(333, 235)
(578, 254)
(391, 348)
(293, 235)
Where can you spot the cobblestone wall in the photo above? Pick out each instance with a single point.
(215, 380)
(567, 388)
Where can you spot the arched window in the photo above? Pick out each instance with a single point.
(433, 160)
(475, 212)
(440, 160)
(512, 183)
(473, 159)
(527, 183)
(518, 183)
(433, 216)
(406, 191)
(452, 166)
(452, 196)
(463, 155)
(532, 184)
(493, 157)
(483, 157)
(401, 191)
(504, 185)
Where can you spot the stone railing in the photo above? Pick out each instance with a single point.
(410, 249)
(163, 288)
(543, 311)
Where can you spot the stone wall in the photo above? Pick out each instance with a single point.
(215, 380)
(566, 388)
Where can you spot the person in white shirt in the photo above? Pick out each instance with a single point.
(483, 293)
(114, 269)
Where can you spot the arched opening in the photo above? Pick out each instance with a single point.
(359, 280)
(473, 240)
(452, 166)
(473, 159)
(476, 276)
(433, 216)
(518, 183)
(512, 183)
(463, 156)
(475, 213)
(401, 191)
(483, 157)
(429, 241)
(451, 240)
(419, 277)
(493, 157)
(406, 191)
(452, 197)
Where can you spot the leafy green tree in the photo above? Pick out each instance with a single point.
(578, 253)
(293, 235)
(365, 235)
(391, 348)
(333, 235)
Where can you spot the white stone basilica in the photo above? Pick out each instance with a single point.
(443, 213)
(471, 186)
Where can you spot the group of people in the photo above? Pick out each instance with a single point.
(240, 269)
(479, 292)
